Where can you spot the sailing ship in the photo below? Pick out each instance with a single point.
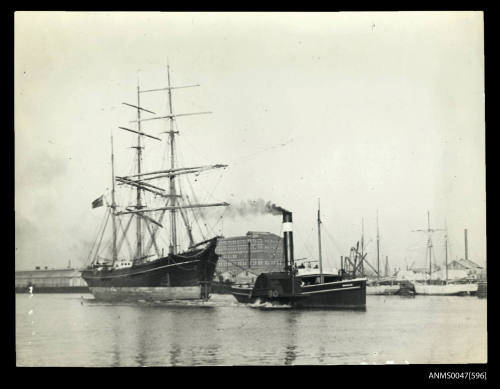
(304, 288)
(440, 287)
(386, 285)
(147, 273)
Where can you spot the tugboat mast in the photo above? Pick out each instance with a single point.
(319, 246)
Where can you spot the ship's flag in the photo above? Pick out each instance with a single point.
(98, 202)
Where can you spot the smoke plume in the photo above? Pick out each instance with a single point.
(254, 207)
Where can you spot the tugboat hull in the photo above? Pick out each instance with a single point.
(277, 288)
(347, 294)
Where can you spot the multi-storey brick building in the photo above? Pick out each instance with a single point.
(255, 252)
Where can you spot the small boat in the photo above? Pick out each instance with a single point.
(406, 288)
(311, 289)
(242, 293)
(383, 287)
(444, 289)
(482, 289)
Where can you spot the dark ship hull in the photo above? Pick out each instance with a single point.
(185, 276)
(283, 288)
(221, 287)
(242, 294)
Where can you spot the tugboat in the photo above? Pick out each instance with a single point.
(145, 272)
(309, 289)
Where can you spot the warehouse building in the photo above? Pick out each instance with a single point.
(51, 280)
(250, 254)
(468, 267)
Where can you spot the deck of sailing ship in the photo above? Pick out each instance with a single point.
(148, 274)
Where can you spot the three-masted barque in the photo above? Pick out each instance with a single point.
(146, 273)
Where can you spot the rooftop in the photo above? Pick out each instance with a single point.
(49, 273)
(253, 234)
(467, 263)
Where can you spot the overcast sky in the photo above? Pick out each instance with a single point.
(365, 111)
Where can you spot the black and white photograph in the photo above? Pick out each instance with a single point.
(249, 189)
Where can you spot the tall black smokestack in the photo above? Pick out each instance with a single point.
(288, 239)
(249, 252)
(466, 245)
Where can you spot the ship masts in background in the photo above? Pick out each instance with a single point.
(378, 250)
(319, 246)
(429, 231)
(361, 264)
(446, 250)
(429, 244)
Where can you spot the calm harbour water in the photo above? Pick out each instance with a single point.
(74, 330)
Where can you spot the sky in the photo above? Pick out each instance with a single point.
(360, 111)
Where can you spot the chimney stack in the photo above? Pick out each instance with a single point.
(288, 240)
(249, 252)
(466, 245)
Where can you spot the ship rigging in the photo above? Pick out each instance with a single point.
(144, 272)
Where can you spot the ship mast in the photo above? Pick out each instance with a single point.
(139, 199)
(429, 231)
(446, 250)
(138, 181)
(378, 250)
(429, 245)
(319, 246)
(173, 224)
(113, 202)
(361, 264)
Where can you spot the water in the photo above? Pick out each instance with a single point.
(71, 330)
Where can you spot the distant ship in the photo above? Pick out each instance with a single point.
(146, 273)
(382, 285)
(441, 287)
(303, 288)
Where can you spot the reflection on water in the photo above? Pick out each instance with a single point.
(174, 354)
(58, 330)
(291, 323)
(290, 354)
